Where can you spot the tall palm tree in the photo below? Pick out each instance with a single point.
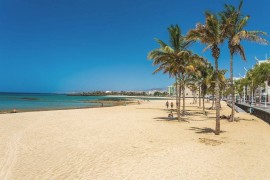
(187, 69)
(206, 71)
(234, 24)
(197, 75)
(212, 34)
(170, 56)
(206, 81)
(211, 80)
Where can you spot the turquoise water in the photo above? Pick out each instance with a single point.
(26, 102)
(29, 102)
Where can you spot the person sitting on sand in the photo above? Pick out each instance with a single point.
(225, 117)
(170, 115)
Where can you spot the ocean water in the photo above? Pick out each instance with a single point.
(37, 101)
(28, 102)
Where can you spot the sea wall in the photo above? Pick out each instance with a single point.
(260, 113)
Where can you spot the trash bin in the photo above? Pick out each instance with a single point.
(251, 110)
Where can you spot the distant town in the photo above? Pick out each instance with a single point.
(152, 92)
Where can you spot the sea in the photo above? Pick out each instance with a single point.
(44, 101)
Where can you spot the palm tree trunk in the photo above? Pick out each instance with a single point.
(217, 93)
(232, 87)
(180, 94)
(177, 100)
(184, 96)
(193, 97)
(199, 97)
(203, 104)
(220, 102)
(213, 100)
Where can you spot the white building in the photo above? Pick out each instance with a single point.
(188, 93)
(265, 90)
(172, 90)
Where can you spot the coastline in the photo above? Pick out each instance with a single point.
(33, 99)
(112, 103)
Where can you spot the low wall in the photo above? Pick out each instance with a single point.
(260, 113)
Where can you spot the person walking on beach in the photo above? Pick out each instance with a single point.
(167, 104)
(171, 105)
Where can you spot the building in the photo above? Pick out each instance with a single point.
(171, 90)
(188, 92)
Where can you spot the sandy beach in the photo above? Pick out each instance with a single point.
(132, 142)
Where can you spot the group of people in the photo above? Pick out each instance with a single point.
(167, 104)
(170, 115)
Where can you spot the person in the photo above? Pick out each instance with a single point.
(167, 104)
(177, 104)
(171, 104)
(171, 115)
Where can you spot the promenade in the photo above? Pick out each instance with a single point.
(261, 111)
(260, 106)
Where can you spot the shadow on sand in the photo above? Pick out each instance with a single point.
(166, 119)
(204, 130)
(242, 119)
(154, 108)
(204, 119)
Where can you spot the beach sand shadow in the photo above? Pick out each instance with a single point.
(153, 108)
(206, 118)
(204, 130)
(211, 142)
(165, 119)
(242, 119)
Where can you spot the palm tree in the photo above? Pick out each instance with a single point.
(234, 24)
(262, 71)
(212, 34)
(170, 57)
(187, 69)
(198, 74)
(211, 80)
(261, 75)
(206, 72)
(239, 88)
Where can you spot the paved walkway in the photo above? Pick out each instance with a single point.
(238, 109)
(259, 106)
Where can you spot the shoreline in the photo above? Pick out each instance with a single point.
(104, 101)
(113, 103)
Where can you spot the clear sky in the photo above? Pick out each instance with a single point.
(86, 45)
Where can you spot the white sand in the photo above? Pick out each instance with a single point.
(131, 142)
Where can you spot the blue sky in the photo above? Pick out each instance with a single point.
(86, 45)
